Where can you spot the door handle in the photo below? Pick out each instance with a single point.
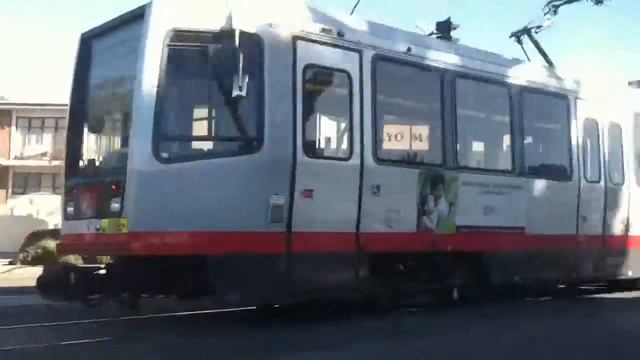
(584, 218)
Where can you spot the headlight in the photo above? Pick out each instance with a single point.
(115, 205)
(70, 208)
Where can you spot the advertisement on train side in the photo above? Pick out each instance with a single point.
(448, 201)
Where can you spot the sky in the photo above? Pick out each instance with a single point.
(38, 38)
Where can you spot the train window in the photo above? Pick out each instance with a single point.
(408, 118)
(198, 115)
(591, 151)
(615, 156)
(326, 107)
(483, 122)
(547, 134)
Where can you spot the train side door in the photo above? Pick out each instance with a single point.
(590, 217)
(591, 211)
(323, 242)
(616, 218)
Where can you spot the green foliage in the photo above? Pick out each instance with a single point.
(41, 253)
(40, 248)
(97, 260)
(71, 259)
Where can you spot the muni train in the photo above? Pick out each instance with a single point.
(264, 156)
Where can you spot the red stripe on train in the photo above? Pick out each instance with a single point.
(318, 242)
(218, 243)
(174, 243)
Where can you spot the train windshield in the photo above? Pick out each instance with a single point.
(210, 96)
(101, 104)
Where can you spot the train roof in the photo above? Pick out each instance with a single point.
(299, 18)
(443, 53)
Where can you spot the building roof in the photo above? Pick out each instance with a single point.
(14, 105)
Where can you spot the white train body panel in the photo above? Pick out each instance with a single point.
(340, 182)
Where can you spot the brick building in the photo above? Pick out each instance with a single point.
(32, 143)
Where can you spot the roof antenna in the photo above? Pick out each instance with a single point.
(443, 30)
(354, 7)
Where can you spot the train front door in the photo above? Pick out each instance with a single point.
(323, 237)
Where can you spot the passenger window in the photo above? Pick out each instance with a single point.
(408, 114)
(483, 121)
(198, 115)
(326, 113)
(547, 135)
(591, 151)
(615, 156)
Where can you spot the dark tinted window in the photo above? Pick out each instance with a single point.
(483, 125)
(408, 114)
(198, 115)
(326, 111)
(615, 156)
(591, 151)
(100, 129)
(547, 134)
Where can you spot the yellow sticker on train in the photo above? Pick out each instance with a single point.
(114, 226)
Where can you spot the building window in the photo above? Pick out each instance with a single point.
(547, 136)
(46, 183)
(326, 113)
(40, 137)
(591, 151)
(615, 156)
(483, 124)
(58, 181)
(33, 183)
(408, 114)
(18, 183)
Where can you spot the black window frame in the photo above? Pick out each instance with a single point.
(454, 114)
(157, 136)
(599, 149)
(375, 59)
(351, 128)
(570, 118)
(621, 149)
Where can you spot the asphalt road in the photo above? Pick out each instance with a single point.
(596, 327)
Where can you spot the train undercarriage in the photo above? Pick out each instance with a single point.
(389, 280)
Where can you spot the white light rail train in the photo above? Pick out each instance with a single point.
(247, 156)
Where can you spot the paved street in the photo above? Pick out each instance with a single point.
(588, 328)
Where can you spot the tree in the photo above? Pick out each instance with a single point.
(552, 7)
